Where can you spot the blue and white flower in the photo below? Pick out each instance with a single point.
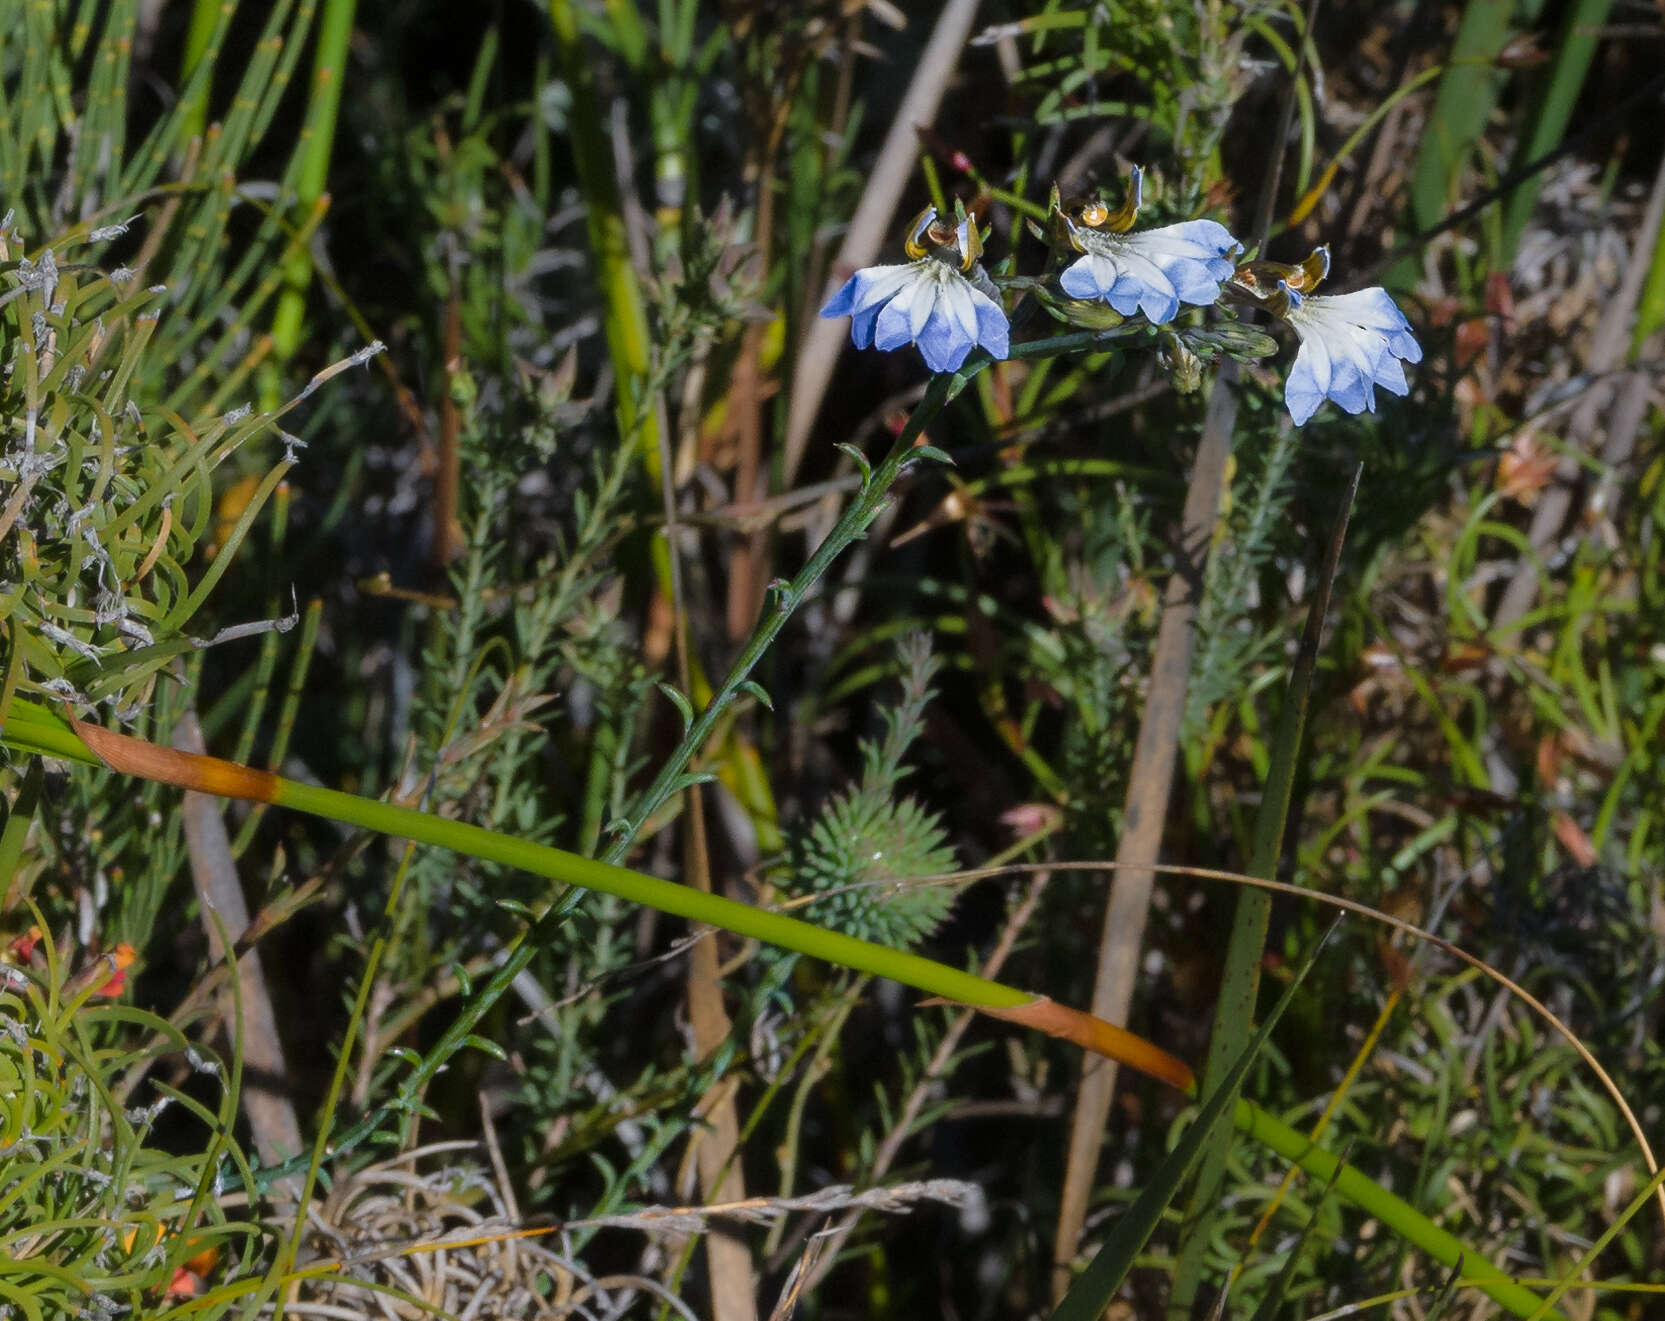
(1153, 271)
(1350, 344)
(941, 300)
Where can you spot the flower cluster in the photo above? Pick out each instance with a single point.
(942, 300)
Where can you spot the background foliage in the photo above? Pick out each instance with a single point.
(479, 575)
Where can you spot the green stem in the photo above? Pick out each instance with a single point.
(1234, 1013)
(666, 896)
(312, 165)
(205, 17)
(624, 318)
(1394, 1212)
(875, 490)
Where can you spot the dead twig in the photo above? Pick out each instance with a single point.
(271, 1116)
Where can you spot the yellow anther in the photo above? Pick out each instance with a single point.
(1312, 270)
(916, 231)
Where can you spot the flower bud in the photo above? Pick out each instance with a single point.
(1182, 365)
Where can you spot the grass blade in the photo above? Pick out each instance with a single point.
(1240, 981)
(1575, 47)
(1465, 100)
(1096, 1286)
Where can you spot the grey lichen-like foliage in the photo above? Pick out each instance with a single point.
(106, 493)
(868, 843)
(96, 1213)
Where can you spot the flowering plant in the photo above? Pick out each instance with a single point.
(943, 301)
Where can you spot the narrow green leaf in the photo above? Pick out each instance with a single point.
(18, 815)
(1552, 108)
(1467, 95)
(488, 1047)
(1240, 980)
(1096, 1286)
(679, 701)
(859, 459)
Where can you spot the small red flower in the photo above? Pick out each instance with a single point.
(22, 949)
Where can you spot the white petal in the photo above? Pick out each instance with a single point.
(877, 283)
(1190, 238)
(956, 301)
(1372, 307)
(923, 305)
(1092, 276)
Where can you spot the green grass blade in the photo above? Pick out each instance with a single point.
(624, 320)
(1574, 49)
(200, 44)
(1094, 1288)
(1240, 981)
(1465, 100)
(287, 713)
(18, 815)
(312, 163)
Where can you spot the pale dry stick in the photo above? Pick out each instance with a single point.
(20, 497)
(1145, 812)
(1623, 425)
(818, 353)
(900, 1131)
(893, 1200)
(271, 1116)
(748, 555)
(1607, 351)
(728, 1257)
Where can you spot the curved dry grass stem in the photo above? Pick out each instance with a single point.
(1363, 910)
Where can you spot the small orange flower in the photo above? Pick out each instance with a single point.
(107, 976)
